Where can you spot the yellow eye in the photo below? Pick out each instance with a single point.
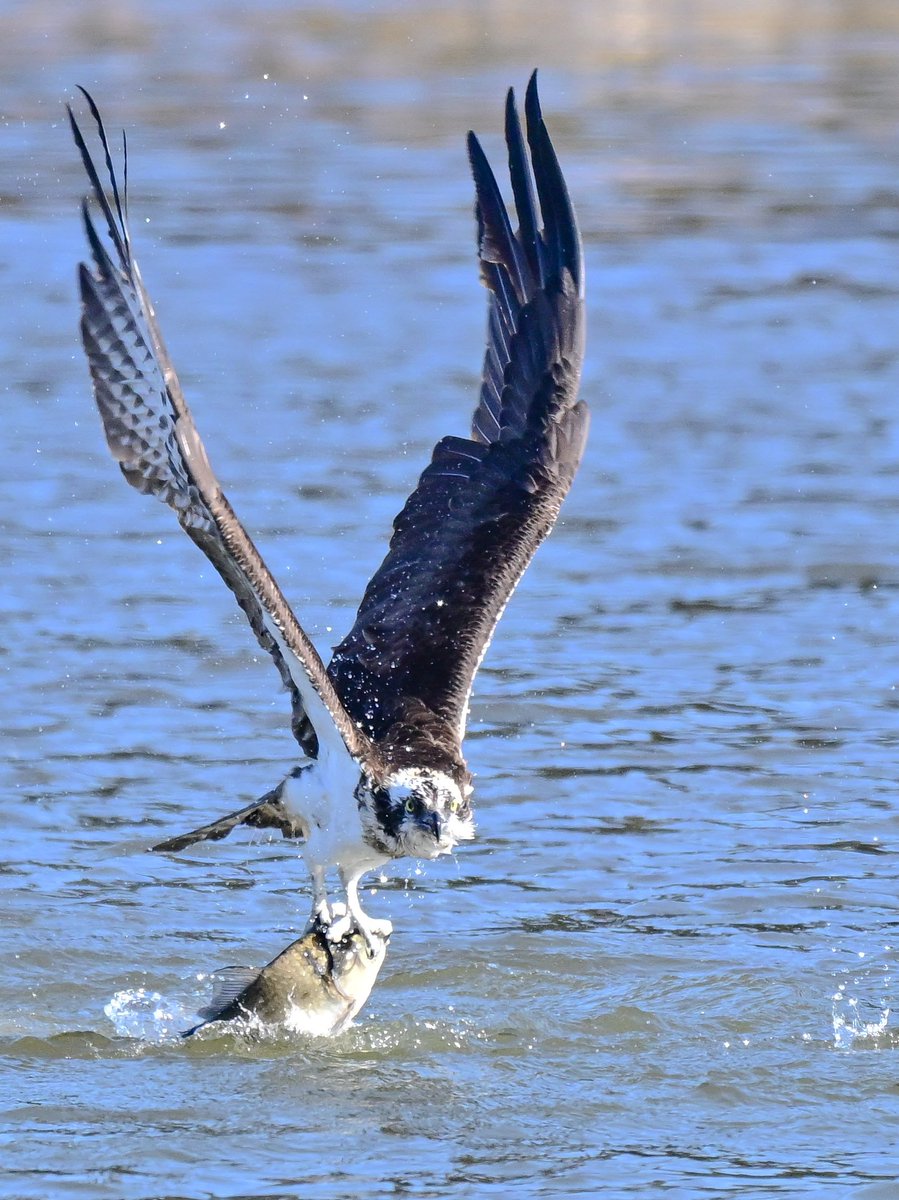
(454, 805)
(410, 805)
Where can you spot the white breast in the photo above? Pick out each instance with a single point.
(322, 796)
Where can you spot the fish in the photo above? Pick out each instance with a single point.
(314, 986)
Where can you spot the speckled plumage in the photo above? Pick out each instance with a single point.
(382, 726)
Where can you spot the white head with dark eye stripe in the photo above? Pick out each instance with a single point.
(422, 813)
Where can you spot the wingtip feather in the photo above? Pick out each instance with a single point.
(561, 235)
(523, 191)
(115, 220)
(532, 99)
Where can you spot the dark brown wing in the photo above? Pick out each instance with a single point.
(268, 812)
(152, 436)
(484, 504)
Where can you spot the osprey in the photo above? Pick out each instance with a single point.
(380, 728)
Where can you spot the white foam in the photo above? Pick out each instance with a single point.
(146, 1015)
(856, 1022)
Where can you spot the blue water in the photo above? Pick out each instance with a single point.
(668, 963)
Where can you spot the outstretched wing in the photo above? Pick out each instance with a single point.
(484, 504)
(268, 812)
(151, 434)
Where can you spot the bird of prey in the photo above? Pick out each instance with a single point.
(380, 729)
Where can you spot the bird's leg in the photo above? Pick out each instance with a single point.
(355, 918)
(321, 909)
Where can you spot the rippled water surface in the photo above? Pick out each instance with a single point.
(667, 964)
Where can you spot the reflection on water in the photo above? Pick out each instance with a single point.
(682, 898)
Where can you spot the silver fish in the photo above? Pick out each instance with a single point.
(315, 986)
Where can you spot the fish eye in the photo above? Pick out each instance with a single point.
(409, 805)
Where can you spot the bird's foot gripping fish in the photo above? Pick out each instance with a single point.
(316, 986)
(381, 728)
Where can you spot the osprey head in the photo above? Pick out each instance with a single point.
(420, 813)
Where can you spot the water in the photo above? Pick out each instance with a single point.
(668, 963)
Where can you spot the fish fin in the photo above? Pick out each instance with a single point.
(227, 985)
(265, 813)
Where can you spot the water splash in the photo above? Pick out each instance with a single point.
(312, 1024)
(297, 1023)
(851, 1026)
(149, 1017)
(859, 1021)
(146, 1015)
